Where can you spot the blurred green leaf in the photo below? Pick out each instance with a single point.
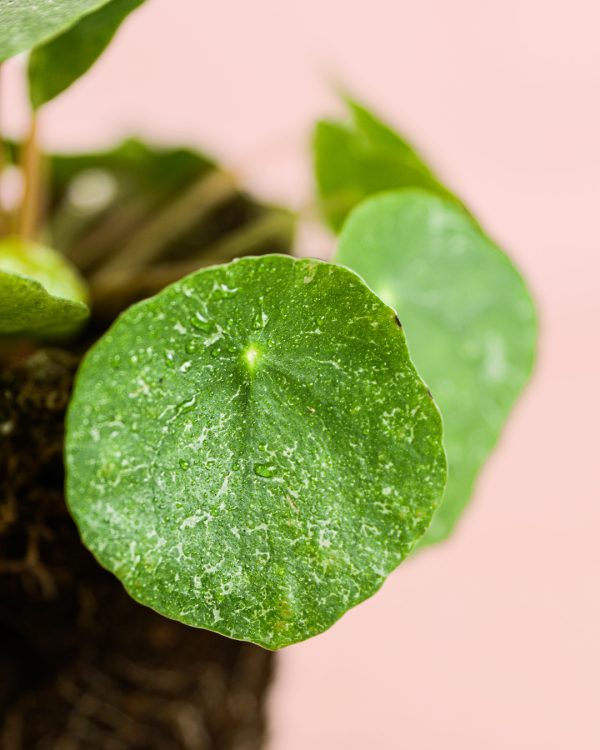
(470, 321)
(252, 451)
(26, 23)
(56, 64)
(363, 156)
(138, 217)
(40, 293)
(98, 200)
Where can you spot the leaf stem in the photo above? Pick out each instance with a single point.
(29, 215)
(4, 219)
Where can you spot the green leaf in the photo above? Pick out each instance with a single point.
(26, 23)
(128, 185)
(134, 183)
(470, 322)
(356, 159)
(58, 63)
(251, 451)
(40, 293)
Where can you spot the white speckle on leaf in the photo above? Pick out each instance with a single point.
(495, 363)
(190, 522)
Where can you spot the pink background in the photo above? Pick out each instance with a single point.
(491, 640)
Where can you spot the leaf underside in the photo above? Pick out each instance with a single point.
(251, 451)
(26, 23)
(58, 63)
(469, 319)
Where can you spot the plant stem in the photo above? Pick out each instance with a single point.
(29, 215)
(4, 222)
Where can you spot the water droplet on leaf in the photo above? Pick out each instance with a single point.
(200, 324)
(264, 470)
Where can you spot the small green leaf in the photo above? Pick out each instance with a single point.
(40, 293)
(470, 322)
(58, 63)
(356, 159)
(26, 23)
(251, 451)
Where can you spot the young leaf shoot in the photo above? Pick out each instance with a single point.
(252, 451)
(353, 160)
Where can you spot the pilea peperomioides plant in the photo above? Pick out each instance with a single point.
(252, 446)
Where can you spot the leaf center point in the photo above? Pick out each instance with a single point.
(251, 355)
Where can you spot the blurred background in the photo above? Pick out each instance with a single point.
(491, 639)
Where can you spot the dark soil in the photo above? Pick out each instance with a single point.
(83, 666)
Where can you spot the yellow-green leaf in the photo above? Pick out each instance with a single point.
(41, 294)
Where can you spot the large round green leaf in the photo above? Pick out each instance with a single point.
(470, 322)
(40, 292)
(251, 451)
